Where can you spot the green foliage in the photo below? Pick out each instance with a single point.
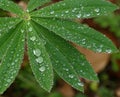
(46, 33)
(112, 21)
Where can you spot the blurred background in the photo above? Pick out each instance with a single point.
(107, 66)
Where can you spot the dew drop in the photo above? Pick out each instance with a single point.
(108, 50)
(39, 60)
(52, 12)
(71, 76)
(42, 68)
(79, 15)
(30, 29)
(37, 52)
(80, 84)
(97, 10)
(33, 38)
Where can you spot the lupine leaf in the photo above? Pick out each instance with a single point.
(39, 59)
(47, 41)
(11, 7)
(76, 9)
(12, 58)
(78, 33)
(36, 3)
(60, 63)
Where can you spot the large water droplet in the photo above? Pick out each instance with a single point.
(42, 68)
(39, 60)
(37, 52)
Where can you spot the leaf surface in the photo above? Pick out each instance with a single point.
(12, 58)
(78, 33)
(76, 9)
(11, 7)
(36, 3)
(39, 59)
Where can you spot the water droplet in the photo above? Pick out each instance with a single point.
(66, 11)
(79, 15)
(37, 52)
(108, 50)
(80, 84)
(71, 76)
(30, 29)
(52, 12)
(22, 30)
(33, 38)
(97, 10)
(42, 68)
(39, 60)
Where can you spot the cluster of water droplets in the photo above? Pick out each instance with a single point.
(37, 52)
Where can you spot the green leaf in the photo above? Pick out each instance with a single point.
(78, 33)
(39, 59)
(12, 57)
(6, 33)
(11, 7)
(76, 9)
(36, 3)
(59, 61)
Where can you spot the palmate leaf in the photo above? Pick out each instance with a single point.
(47, 40)
(78, 33)
(39, 59)
(76, 9)
(12, 57)
(36, 3)
(11, 7)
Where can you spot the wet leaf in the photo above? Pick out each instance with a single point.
(47, 40)
(39, 59)
(76, 9)
(35, 4)
(12, 58)
(78, 33)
